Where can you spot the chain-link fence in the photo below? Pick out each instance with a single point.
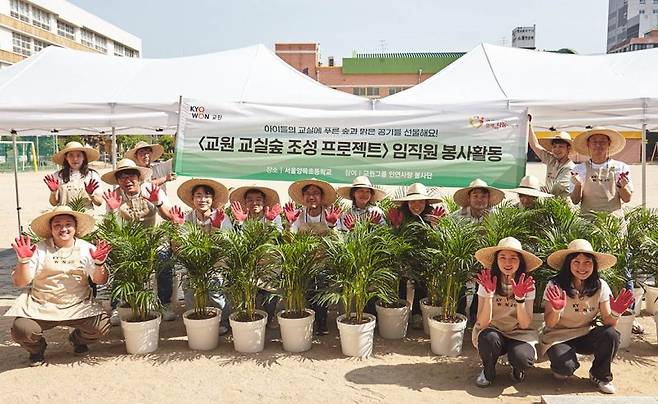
(33, 153)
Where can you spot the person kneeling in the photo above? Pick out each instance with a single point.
(505, 296)
(56, 272)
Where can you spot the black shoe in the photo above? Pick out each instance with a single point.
(37, 359)
(518, 375)
(78, 348)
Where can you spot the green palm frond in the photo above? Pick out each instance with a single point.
(78, 204)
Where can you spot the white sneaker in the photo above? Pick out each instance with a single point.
(114, 318)
(481, 380)
(167, 313)
(604, 387)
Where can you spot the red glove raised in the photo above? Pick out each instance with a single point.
(622, 302)
(91, 186)
(239, 215)
(24, 250)
(292, 213)
(332, 214)
(153, 194)
(556, 297)
(51, 182)
(524, 286)
(218, 218)
(176, 215)
(487, 282)
(273, 212)
(395, 217)
(348, 221)
(101, 252)
(375, 218)
(112, 199)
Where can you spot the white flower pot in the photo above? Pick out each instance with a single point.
(357, 339)
(124, 312)
(625, 328)
(446, 338)
(428, 311)
(248, 336)
(203, 335)
(141, 337)
(650, 297)
(638, 293)
(296, 333)
(392, 323)
(537, 321)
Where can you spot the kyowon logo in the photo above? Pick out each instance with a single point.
(480, 121)
(199, 112)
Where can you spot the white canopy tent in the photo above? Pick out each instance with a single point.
(76, 92)
(564, 91)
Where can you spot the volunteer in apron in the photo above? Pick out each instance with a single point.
(364, 197)
(56, 273)
(415, 206)
(137, 200)
(75, 180)
(145, 155)
(253, 202)
(554, 152)
(573, 300)
(207, 199)
(529, 190)
(477, 200)
(318, 215)
(505, 296)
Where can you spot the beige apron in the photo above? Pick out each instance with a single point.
(59, 291)
(558, 176)
(134, 207)
(321, 228)
(503, 319)
(600, 191)
(576, 320)
(73, 189)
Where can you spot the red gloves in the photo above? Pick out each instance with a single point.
(51, 182)
(332, 214)
(524, 286)
(101, 252)
(273, 212)
(24, 250)
(176, 215)
(487, 282)
(91, 186)
(395, 217)
(112, 199)
(238, 213)
(217, 219)
(556, 297)
(153, 194)
(619, 305)
(291, 212)
(349, 221)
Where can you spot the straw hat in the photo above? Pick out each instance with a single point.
(92, 154)
(123, 165)
(41, 225)
(565, 136)
(617, 140)
(328, 192)
(496, 196)
(238, 194)
(603, 260)
(486, 255)
(417, 192)
(157, 149)
(531, 186)
(185, 191)
(362, 182)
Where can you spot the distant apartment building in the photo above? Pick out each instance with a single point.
(26, 27)
(632, 25)
(523, 37)
(372, 75)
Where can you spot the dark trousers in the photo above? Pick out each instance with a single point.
(492, 344)
(267, 302)
(420, 292)
(165, 275)
(28, 332)
(321, 310)
(602, 342)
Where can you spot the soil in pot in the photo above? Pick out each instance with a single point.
(295, 314)
(393, 305)
(148, 318)
(201, 316)
(244, 318)
(353, 320)
(447, 320)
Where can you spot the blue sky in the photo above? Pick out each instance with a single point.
(180, 28)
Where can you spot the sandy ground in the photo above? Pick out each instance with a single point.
(399, 371)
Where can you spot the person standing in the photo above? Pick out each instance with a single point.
(529, 190)
(364, 197)
(145, 155)
(554, 152)
(477, 199)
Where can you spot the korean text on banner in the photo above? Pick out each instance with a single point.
(256, 142)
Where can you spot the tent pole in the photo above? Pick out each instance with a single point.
(18, 203)
(114, 148)
(643, 156)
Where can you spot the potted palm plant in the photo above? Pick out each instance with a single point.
(133, 261)
(300, 258)
(362, 265)
(453, 245)
(244, 267)
(643, 242)
(198, 252)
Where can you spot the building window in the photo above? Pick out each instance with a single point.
(20, 10)
(641, 11)
(393, 90)
(119, 50)
(131, 53)
(87, 38)
(38, 45)
(643, 2)
(100, 43)
(359, 91)
(655, 11)
(655, 1)
(370, 91)
(65, 30)
(22, 44)
(40, 18)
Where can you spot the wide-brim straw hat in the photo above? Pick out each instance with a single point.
(617, 140)
(271, 196)
(603, 260)
(362, 182)
(156, 151)
(328, 192)
(92, 154)
(486, 255)
(185, 191)
(417, 192)
(531, 186)
(41, 225)
(546, 142)
(496, 196)
(123, 165)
